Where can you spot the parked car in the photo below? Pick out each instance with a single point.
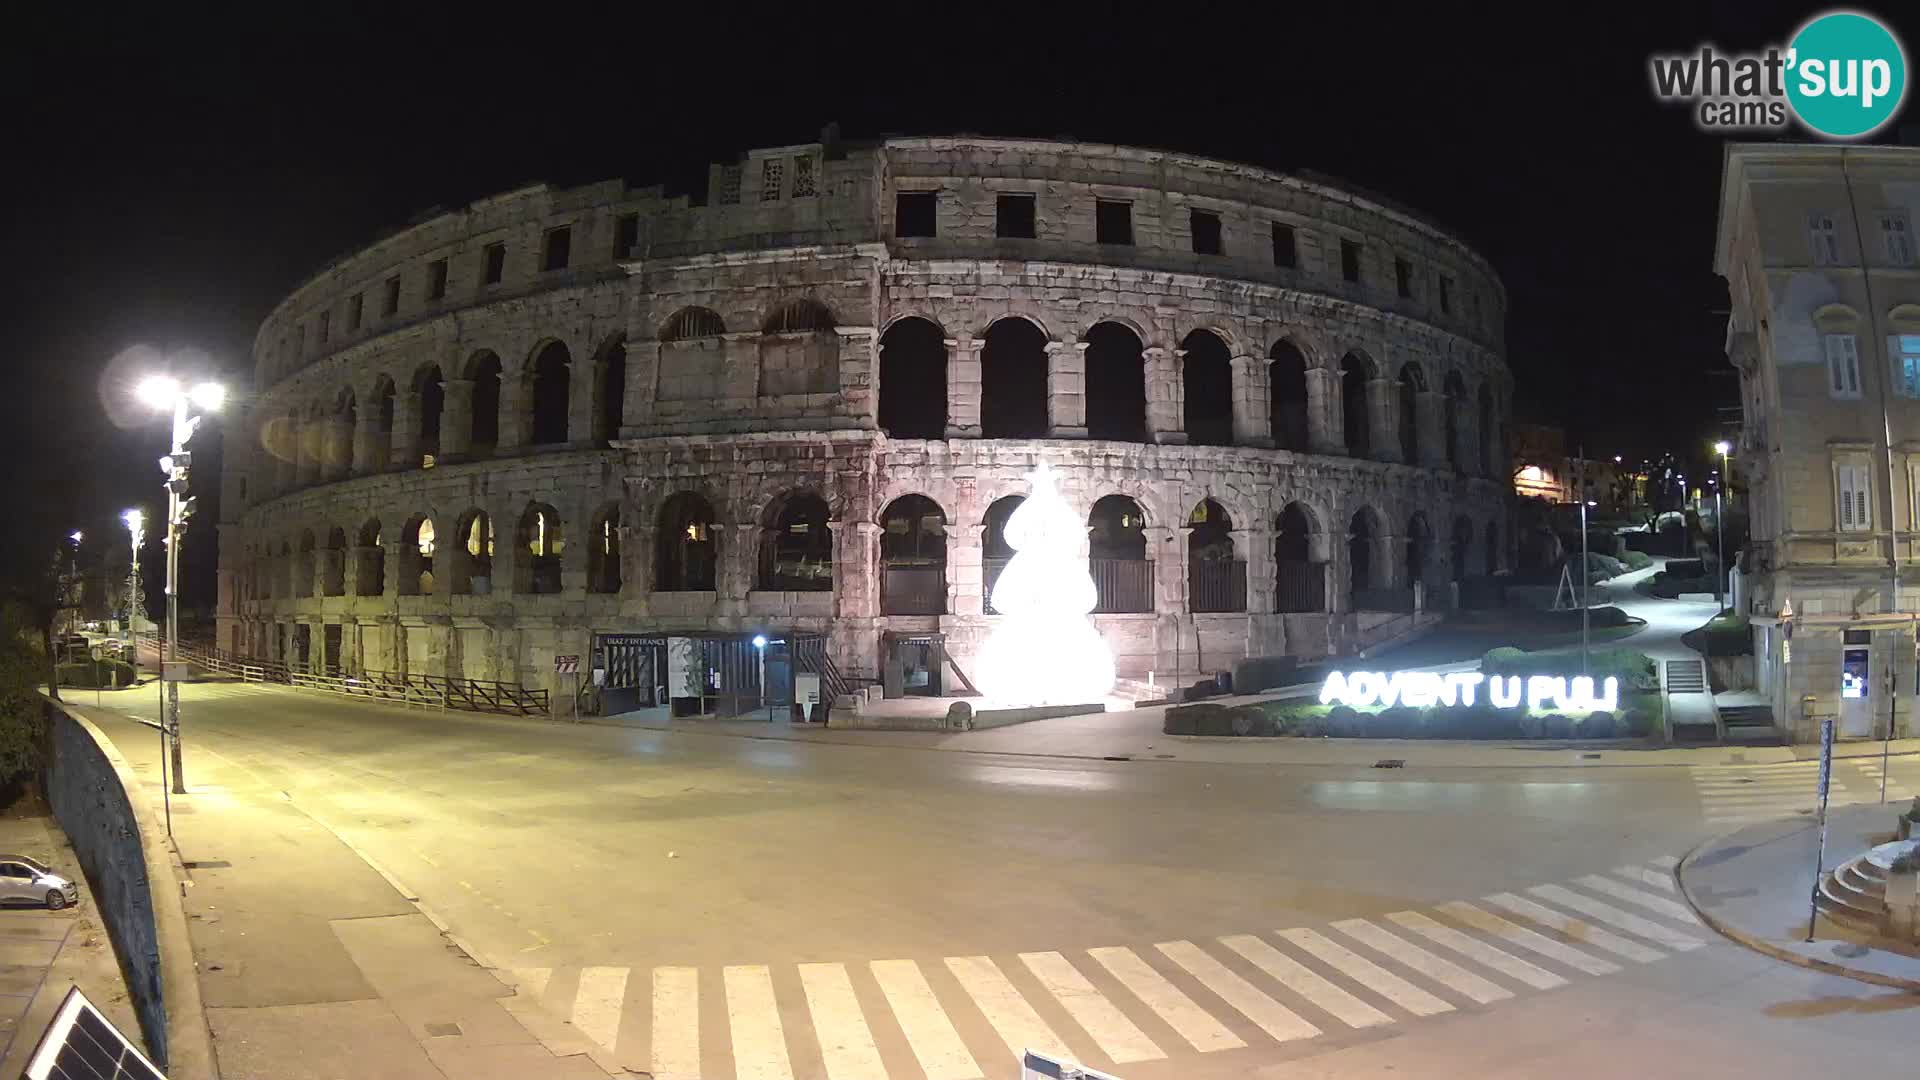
(22, 878)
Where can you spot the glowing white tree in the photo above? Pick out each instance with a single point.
(1045, 650)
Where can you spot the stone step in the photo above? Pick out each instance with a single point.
(1844, 906)
(1856, 890)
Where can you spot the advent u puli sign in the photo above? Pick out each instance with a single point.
(1423, 689)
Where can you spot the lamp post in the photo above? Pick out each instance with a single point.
(137, 533)
(1720, 527)
(165, 392)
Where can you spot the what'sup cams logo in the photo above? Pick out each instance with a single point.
(1842, 76)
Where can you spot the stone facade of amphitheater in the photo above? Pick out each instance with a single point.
(556, 414)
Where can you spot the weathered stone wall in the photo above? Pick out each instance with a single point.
(691, 369)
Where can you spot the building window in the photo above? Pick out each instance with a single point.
(1897, 231)
(1907, 347)
(1403, 278)
(626, 233)
(1824, 240)
(1446, 294)
(1013, 217)
(356, 307)
(557, 248)
(802, 175)
(392, 305)
(1284, 252)
(772, 178)
(1843, 366)
(437, 279)
(1854, 482)
(326, 326)
(1112, 221)
(1206, 232)
(730, 184)
(915, 213)
(496, 264)
(1913, 497)
(1350, 260)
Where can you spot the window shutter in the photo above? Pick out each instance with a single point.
(1844, 476)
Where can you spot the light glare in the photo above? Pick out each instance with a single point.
(159, 391)
(209, 396)
(1722, 447)
(1045, 650)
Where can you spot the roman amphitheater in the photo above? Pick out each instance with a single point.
(647, 430)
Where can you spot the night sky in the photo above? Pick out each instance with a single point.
(169, 179)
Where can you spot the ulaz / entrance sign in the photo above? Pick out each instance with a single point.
(1422, 689)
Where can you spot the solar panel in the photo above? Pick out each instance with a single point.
(82, 1044)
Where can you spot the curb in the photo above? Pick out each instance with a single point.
(1768, 948)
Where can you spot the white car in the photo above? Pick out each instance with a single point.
(22, 878)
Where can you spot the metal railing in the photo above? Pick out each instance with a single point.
(1122, 586)
(989, 576)
(913, 590)
(1217, 585)
(1300, 586)
(1383, 600)
(472, 695)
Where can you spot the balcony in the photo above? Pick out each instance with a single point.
(1217, 586)
(1124, 586)
(1300, 587)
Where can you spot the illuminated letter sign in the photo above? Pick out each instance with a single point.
(1424, 689)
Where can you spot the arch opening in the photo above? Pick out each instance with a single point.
(370, 576)
(1216, 580)
(1300, 582)
(610, 390)
(541, 543)
(1287, 396)
(550, 376)
(1117, 556)
(796, 548)
(1116, 386)
(471, 569)
(1353, 405)
(1013, 381)
(1206, 381)
(603, 551)
(1412, 384)
(913, 557)
(484, 424)
(995, 552)
(430, 390)
(913, 380)
(687, 558)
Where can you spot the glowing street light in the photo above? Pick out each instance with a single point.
(161, 393)
(1720, 528)
(75, 536)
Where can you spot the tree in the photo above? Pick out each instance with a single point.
(1045, 649)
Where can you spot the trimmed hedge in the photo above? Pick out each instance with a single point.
(108, 674)
(1639, 716)
(1634, 669)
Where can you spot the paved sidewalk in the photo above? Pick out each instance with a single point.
(1755, 886)
(313, 965)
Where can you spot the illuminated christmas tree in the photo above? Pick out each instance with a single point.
(1045, 649)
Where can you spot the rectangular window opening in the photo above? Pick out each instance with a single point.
(392, 304)
(803, 176)
(356, 309)
(772, 179)
(730, 184)
(557, 248)
(1112, 221)
(1446, 295)
(437, 279)
(326, 326)
(496, 264)
(915, 213)
(1823, 239)
(626, 234)
(1907, 349)
(1843, 366)
(1896, 229)
(1284, 252)
(1855, 486)
(1350, 260)
(1403, 278)
(1205, 226)
(1013, 217)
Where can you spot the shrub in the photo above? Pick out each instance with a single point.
(1632, 667)
(1559, 726)
(1309, 726)
(1247, 720)
(1636, 560)
(87, 674)
(1686, 568)
(1531, 726)
(1597, 725)
(1178, 721)
(1343, 722)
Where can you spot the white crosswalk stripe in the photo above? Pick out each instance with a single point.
(1304, 981)
(1362, 973)
(1744, 794)
(1119, 1038)
(1660, 905)
(846, 1043)
(1000, 1002)
(1616, 918)
(1445, 972)
(1474, 949)
(1368, 974)
(1275, 1019)
(1168, 1002)
(937, 1046)
(759, 1043)
(1584, 932)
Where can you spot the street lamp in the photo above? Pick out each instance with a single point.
(137, 533)
(1720, 529)
(164, 392)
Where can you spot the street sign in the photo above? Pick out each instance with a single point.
(1035, 1065)
(174, 670)
(567, 665)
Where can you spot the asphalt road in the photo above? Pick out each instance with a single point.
(905, 909)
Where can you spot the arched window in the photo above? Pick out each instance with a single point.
(383, 396)
(610, 389)
(541, 543)
(1354, 373)
(913, 380)
(430, 393)
(1489, 465)
(1300, 581)
(995, 552)
(1412, 383)
(913, 557)
(549, 404)
(1462, 541)
(1216, 581)
(303, 566)
(796, 546)
(1361, 537)
(1116, 384)
(1117, 556)
(1013, 381)
(416, 557)
(603, 551)
(484, 370)
(1287, 396)
(370, 577)
(471, 568)
(692, 322)
(1206, 377)
(333, 575)
(687, 556)
(1419, 542)
(1456, 400)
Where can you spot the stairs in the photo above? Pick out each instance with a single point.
(1751, 725)
(1690, 713)
(1855, 893)
(1686, 677)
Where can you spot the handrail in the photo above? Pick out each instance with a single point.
(444, 692)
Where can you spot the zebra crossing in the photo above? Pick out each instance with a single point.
(970, 1017)
(1743, 794)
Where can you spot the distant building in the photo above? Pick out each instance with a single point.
(1816, 243)
(1543, 469)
